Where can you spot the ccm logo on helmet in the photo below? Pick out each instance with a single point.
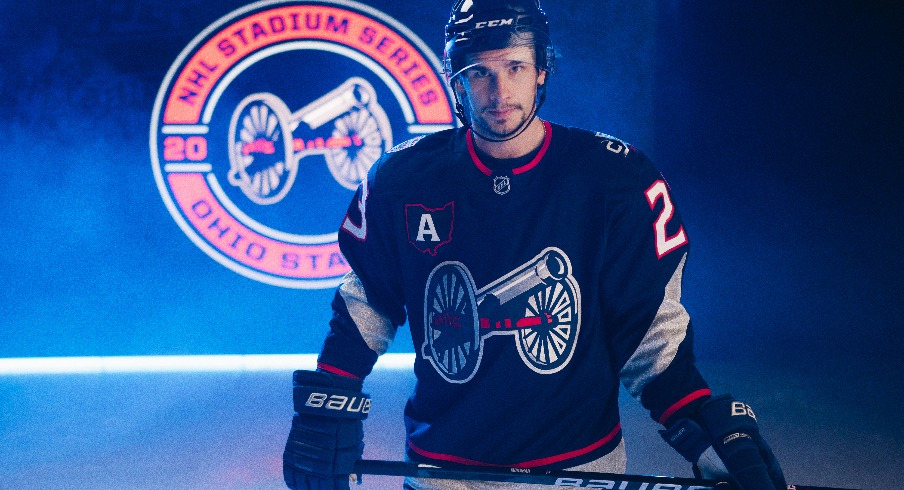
(494, 23)
(339, 402)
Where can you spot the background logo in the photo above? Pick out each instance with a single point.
(271, 117)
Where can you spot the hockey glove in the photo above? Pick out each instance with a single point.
(327, 435)
(723, 441)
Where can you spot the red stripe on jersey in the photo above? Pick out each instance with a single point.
(526, 464)
(683, 403)
(483, 168)
(333, 369)
(547, 138)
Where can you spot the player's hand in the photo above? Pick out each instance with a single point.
(327, 435)
(723, 442)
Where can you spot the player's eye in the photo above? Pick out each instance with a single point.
(519, 69)
(479, 72)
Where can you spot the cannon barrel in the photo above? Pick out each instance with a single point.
(549, 266)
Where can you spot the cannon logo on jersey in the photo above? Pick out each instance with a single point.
(269, 120)
(429, 228)
(538, 303)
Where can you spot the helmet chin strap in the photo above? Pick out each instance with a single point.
(538, 101)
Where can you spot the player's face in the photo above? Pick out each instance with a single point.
(500, 88)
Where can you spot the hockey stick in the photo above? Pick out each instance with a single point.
(583, 479)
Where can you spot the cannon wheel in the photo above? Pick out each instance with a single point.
(350, 166)
(265, 177)
(548, 347)
(453, 342)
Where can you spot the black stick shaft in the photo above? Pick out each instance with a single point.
(579, 479)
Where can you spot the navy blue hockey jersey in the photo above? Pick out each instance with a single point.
(530, 292)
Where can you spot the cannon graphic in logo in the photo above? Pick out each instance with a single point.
(539, 304)
(358, 134)
(269, 120)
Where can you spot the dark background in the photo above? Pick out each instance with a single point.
(778, 125)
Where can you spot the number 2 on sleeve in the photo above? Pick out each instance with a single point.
(664, 244)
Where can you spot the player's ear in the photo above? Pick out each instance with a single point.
(458, 87)
(541, 80)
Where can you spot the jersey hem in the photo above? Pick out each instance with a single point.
(610, 438)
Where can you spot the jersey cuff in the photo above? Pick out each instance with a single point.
(684, 402)
(322, 366)
(346, 356)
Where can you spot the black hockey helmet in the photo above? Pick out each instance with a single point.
(482, 25)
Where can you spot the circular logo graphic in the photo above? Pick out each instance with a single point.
(270, 118)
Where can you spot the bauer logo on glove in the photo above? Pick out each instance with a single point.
(338, 402)
(722, 440)
(741, 408)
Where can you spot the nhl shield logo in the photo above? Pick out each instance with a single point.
(429, 228)
(502, 185)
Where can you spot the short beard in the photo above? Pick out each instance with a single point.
(465, 112)
(487, 128)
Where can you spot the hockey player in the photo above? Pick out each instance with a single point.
(537, 266)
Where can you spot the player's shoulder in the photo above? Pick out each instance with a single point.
(604, 144)
(411, 157)
(608, 158)
(421, 145)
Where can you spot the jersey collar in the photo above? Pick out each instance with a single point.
(517, 170)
